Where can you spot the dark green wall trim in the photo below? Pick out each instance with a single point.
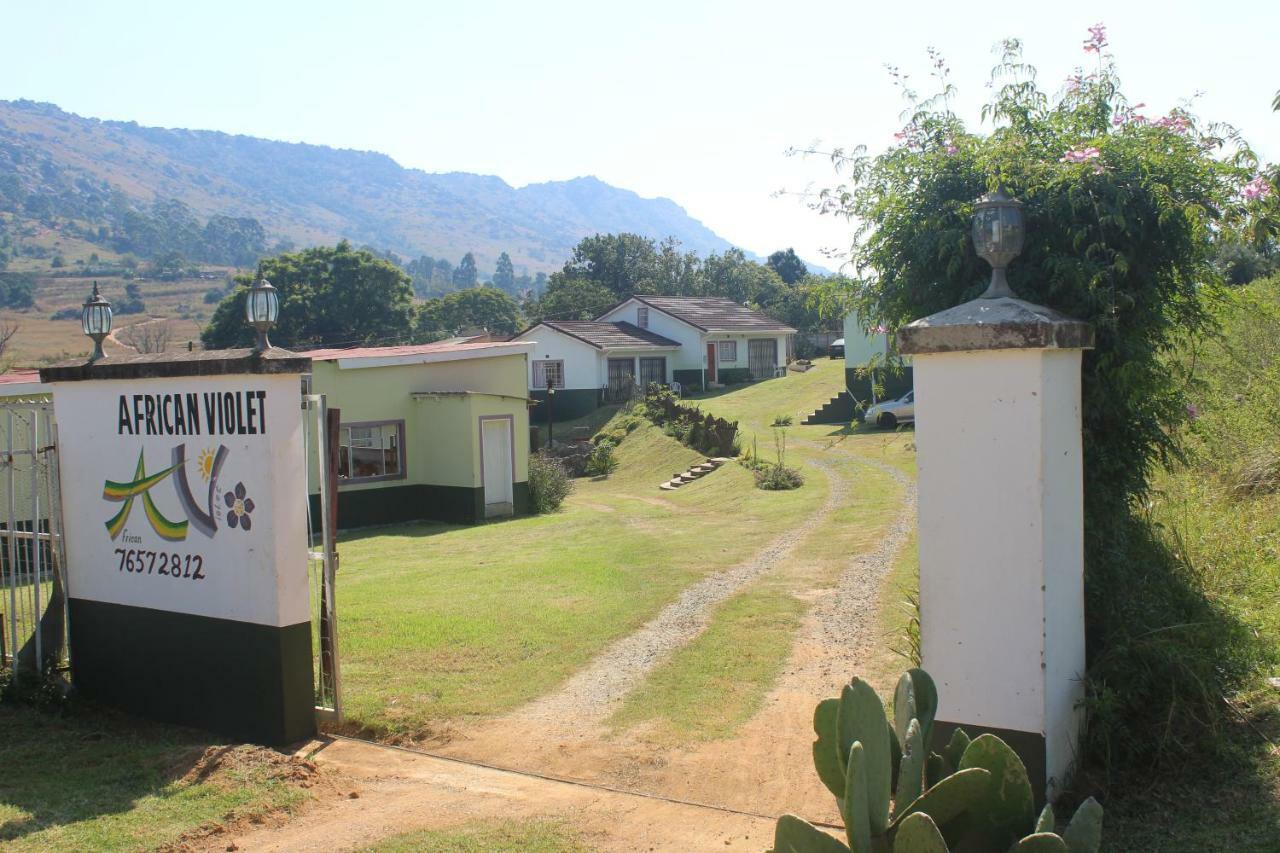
(895, 384)
(1030, 747)
(690, 380)
(419, 502)
(570, 403)
(241, 680)
(521, 502)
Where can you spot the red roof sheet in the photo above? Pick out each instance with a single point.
(415, 349)
(19, 377)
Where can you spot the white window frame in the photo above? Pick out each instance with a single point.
(642, 316)
(347, 438)
(540, 382)
(726, 346)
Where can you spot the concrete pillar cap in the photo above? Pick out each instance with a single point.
(989, 324)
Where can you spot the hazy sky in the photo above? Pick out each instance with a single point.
(696, 101)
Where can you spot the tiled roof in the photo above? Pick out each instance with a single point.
(715, 314)
(415, 349)
(610, 335)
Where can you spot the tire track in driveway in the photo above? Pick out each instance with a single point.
(591, 694)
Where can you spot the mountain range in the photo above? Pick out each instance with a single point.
(57, 164)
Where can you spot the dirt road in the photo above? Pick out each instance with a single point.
(764, 770)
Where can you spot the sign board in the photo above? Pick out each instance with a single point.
(184, 510)
(187, 495)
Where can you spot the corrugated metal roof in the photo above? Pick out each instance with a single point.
(19, 377)
(715, 314)
(610, 335)
(414, 349)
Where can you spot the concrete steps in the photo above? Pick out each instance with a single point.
(838, 410)
(696, 472)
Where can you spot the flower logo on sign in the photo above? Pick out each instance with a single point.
(238, 508)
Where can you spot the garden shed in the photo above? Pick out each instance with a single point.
(429, 432)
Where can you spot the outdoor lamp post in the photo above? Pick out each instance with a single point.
(551, 417)
(997, 237)
(95, 319)
(261, 308)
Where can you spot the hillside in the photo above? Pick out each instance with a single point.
(56, 165)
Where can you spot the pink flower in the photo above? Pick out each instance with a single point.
(1256, 189)
(1193, 411)
(951, 147)
(1080, 155)
(1097, 39)
(1074, 82)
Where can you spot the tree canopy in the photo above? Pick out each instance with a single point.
(474, 308)
(329, 296)
(787, 264)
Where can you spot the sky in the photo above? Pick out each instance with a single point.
(695, 101)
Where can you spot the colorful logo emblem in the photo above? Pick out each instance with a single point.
(203, 518)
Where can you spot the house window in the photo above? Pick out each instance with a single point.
(371, 451)
(548, 373)
(727, 352)
(642, 316)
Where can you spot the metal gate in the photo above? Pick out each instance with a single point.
(762, 357)
(33, 587)
(320, 453)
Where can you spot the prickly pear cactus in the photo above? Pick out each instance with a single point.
(898, 797)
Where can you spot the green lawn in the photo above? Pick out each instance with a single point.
(90, 779)
(445, 622)
(440, 621)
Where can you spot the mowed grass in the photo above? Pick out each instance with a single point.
(515, 836)
(93, 780)
(440, 622)
(709, 688)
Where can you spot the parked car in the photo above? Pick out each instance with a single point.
(836, 349)
(890, 413)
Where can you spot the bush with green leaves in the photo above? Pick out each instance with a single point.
(897, 796)
(549, 483)
(1124, 214)
(602, 462)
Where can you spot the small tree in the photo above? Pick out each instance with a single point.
(151, 336)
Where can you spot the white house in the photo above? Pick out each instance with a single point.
(698, 341)
(720, 340)
(587, 362)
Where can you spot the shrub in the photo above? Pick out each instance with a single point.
(783, 420)
(1123, 217)
(777, 478)
(69, 313)
(549, 483)
(602, 462)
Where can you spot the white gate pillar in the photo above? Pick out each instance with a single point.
(1001, 513)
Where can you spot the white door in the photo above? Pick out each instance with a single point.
(495, 455)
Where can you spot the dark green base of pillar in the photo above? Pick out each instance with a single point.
(1030, 747)
(238, 679)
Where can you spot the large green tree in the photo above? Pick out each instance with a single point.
(465, 274)
(329, 296)
(1122, 214)
(464, 310)
(570, 299)
(787, 264)
(619, 262)
(504, 275)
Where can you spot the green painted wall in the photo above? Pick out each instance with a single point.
(442, 425)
